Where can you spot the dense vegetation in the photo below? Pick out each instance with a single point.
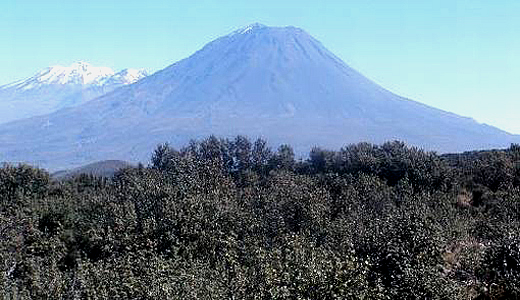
(231, 219)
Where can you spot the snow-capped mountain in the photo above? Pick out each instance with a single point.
(58, 87)
(275, 82)
(79, 73)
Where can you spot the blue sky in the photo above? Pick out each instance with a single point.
(459, 55)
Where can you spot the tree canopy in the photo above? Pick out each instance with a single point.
(233, 219)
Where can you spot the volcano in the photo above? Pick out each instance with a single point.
(278, 83)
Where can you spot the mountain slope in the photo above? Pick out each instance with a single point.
(278, 83)
(58, 87)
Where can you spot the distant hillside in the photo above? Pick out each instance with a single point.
(106, 168)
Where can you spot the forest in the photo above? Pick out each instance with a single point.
(231, 218)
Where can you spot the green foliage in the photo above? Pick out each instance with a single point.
(20, 184)
(231, 219)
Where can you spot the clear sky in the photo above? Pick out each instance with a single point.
(459, 55)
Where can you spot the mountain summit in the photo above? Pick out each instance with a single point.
(58, 87)
(276, 82)
(249, 28)
(79, 73)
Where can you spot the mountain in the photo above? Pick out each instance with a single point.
(58, 87)
(274, 82)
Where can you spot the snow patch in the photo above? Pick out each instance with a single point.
(126, 76)
(77, 73)
(248, 29)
